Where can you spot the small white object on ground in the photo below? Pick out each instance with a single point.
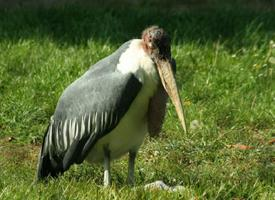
(160, 185)
(196, 124)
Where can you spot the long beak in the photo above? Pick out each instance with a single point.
(169, 83)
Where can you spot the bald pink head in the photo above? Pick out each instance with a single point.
(157, 42)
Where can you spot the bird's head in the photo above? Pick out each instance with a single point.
(157, 43)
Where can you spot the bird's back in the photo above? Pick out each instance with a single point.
(76, 97)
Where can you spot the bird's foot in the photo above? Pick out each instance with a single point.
(131, 181)
(160, 185)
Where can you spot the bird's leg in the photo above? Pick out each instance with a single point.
(107, 174)
(131, 168)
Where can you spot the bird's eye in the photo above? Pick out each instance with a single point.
(158, 33)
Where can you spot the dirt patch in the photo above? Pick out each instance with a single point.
(18, 153)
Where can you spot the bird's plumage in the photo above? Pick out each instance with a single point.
(88, 109)
(106, 105)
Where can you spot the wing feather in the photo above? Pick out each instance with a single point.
(85, 112)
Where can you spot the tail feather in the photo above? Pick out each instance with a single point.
(55, 157)
(46, 166)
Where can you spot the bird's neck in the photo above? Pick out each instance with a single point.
(136, 60)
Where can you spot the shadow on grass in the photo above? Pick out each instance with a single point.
(73, 25)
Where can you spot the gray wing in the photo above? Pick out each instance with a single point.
(88, 109)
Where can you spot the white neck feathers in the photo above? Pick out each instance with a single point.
(135, 60)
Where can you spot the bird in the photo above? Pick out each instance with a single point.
(108, 111)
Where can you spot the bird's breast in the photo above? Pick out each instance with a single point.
(128, 135)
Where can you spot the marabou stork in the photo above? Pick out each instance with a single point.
(108, 111)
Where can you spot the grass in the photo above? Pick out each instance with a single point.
(226, 77)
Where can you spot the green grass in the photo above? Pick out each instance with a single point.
(226, 80)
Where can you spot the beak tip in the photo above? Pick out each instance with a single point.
(184, 127)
